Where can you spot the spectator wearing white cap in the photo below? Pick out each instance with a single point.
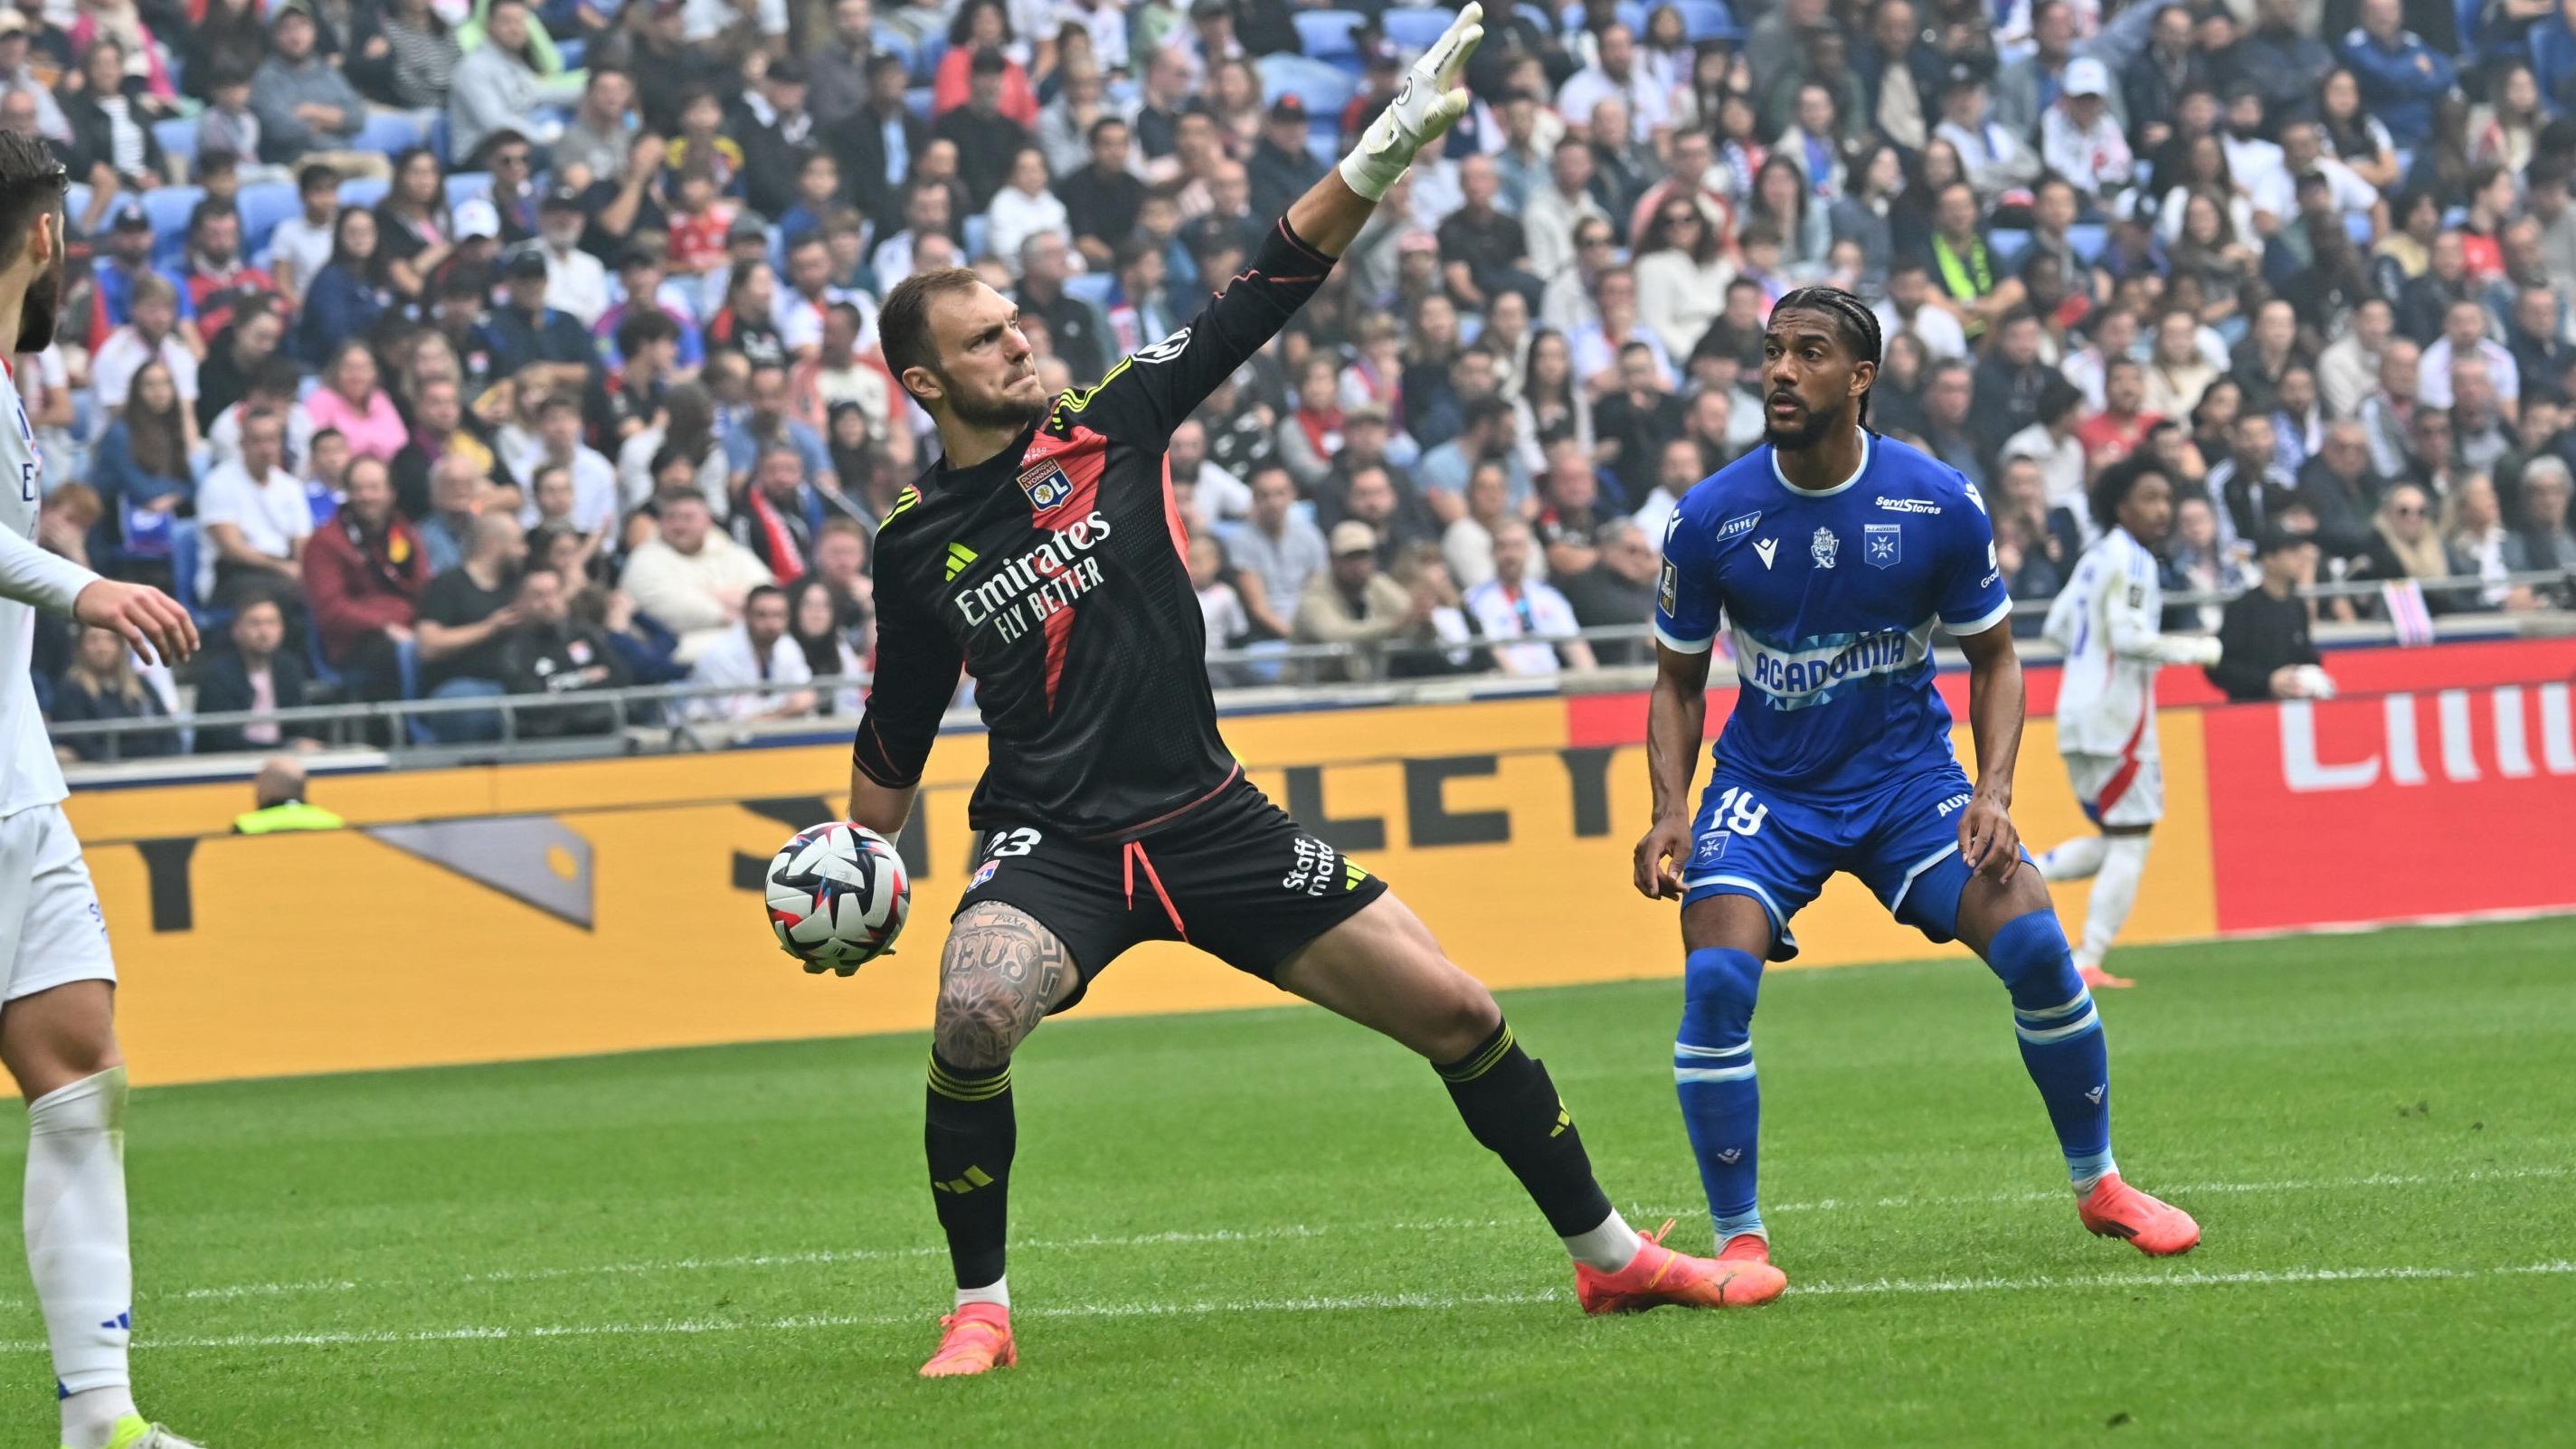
(2080, 139)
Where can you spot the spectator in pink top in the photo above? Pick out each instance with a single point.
(351, 402)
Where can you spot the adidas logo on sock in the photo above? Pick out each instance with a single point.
(2095, 1096)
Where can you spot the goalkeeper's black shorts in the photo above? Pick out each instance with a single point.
(1231, 874)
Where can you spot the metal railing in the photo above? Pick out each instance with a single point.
(1274, 675)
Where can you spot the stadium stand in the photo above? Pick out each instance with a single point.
(2237, 244)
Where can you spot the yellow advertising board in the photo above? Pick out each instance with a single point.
(533, 910)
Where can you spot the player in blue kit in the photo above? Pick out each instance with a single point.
(1831, 554)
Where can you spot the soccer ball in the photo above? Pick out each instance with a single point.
(837, 896)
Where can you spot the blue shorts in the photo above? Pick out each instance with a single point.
(1902, 840)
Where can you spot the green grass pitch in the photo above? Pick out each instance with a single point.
(1268, 1227)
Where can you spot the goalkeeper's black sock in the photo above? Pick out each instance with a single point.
(1512, 1108)
(970, 1133)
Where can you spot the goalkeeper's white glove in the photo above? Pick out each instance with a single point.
(2202, 650)
(1425, 107)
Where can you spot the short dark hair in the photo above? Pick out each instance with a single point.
(903, 324)
(32, 183)
(316, 175)
(2115, 483)
(1487, 410)
(1103, 124)
(276, 375)
(1852, 318)
(641, 327)
(751, 601)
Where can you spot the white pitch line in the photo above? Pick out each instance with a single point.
(1289, 1232)
(1354, 1303)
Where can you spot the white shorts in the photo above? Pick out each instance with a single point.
(2118, 789)
(51, 931)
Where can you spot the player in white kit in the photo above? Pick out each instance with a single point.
(2106, 620)
(57, 983)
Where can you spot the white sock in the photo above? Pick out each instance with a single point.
(90, 1419)
(1609, 1247)
(76, 1248)
(997, 1291)
(2073, 860)
(2115, 890)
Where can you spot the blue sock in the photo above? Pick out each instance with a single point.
(2061, 1039)
(1713, 1073)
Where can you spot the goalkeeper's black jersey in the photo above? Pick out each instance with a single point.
(1057, 574)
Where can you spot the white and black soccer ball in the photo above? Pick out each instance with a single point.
(837, 896)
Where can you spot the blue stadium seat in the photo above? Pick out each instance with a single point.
(2088, 238)
(1092, 287)
(1537, 15)
(167, 208)
(2357, 226)
(926, 57)
(1708, 20)
(979, 232)
(2007, 244)
(2553, 55)
(573, 52)
(76, 199)
(362, 191)
(1415, 29)
(391, 132)
(896, 44)
(917, 101)
(1326, 34)
(178, 137)
(464, 185)
(1324, 88)
(262, 207)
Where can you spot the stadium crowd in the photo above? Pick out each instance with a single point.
(450, 352)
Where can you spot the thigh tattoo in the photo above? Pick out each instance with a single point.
(999, 974)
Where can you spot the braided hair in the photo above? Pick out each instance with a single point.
(1852, 317)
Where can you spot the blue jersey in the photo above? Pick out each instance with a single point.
(1831, 598)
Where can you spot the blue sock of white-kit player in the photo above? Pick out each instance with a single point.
(1713, 1075)
(2061, 1039)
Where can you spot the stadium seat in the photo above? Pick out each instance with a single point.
(1537, 15)
(917, 101)
(1324, 88)
(1708, 20)
(2357, 226)
(76, 199)
(438, 138)
(572, 52)
(2088, 238)
(363, 191)
(1414, 29)
(979, 231)
(465, 185)
(894, 43)
(262, 207)
(2007, 244)
(178, 137)
(1326, 34)
(167, 208)
(2553, 55)
(925, 57)
(391, 132)
(1092, 287)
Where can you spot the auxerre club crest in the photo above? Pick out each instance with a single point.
(1881, 545)
(1824, 547)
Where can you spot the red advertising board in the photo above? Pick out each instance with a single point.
(2417, 803)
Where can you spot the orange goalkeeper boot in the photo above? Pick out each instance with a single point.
(2113, 1209)
(977, 1340)
(1659, 1275)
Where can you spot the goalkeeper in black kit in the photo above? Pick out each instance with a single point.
(1044, 555)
